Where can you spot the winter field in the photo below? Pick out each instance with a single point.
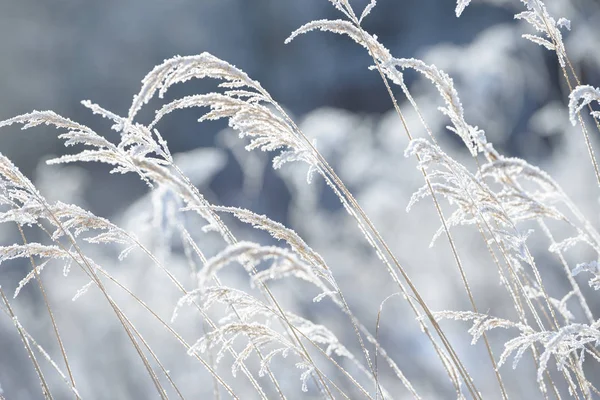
(364, 211)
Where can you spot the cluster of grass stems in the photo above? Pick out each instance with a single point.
(496, 195)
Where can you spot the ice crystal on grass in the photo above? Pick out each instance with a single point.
(581, 97)
(313, 269)
(249, 254)
(569, 341)
(591, 267)
(367, 10)
(258, 326)
(472, 136)
(44, 252)
(481, 322)
(537, 15)
(474, 200)
(460, 6)
(28, 207)
(247, 106)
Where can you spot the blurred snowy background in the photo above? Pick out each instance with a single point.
(56, 53)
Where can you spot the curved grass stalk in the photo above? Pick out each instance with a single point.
(156, 359)
(45, 354)
(557, 42)
(50, 313)
(377, 341)
(572, 282)
(45, 388)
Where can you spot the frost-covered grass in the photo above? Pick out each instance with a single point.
(342, 307)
